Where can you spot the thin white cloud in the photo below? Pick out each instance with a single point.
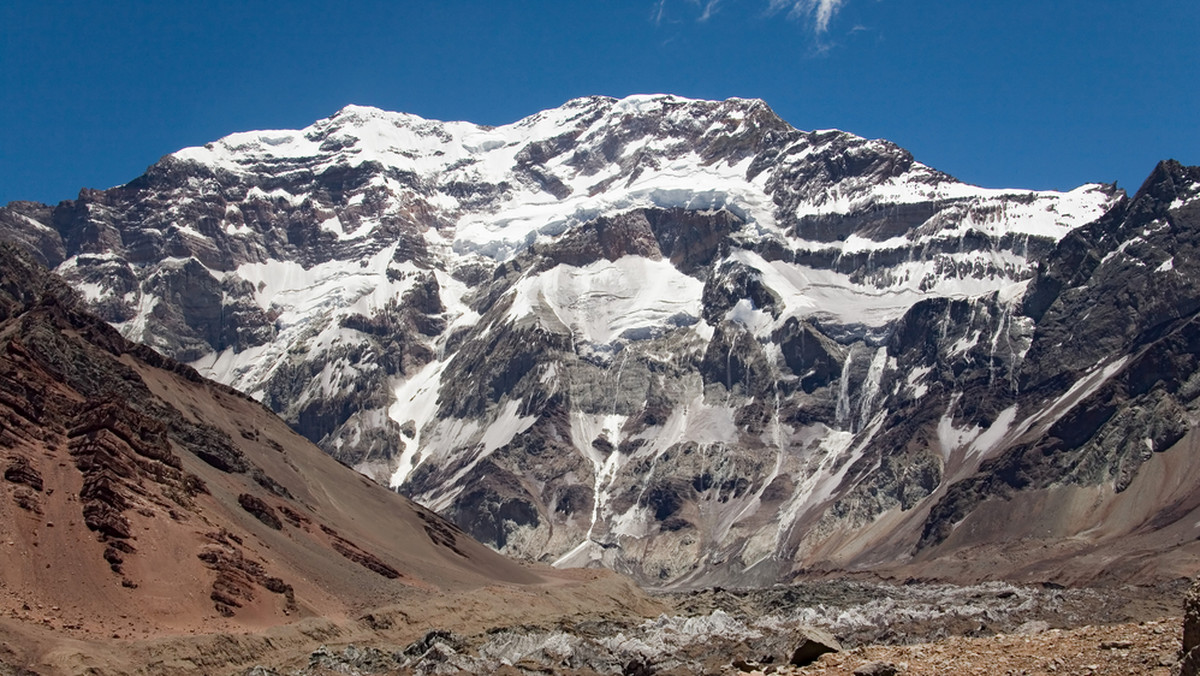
(710, 8)
(821, 12)
(707, 8)
(659, 8)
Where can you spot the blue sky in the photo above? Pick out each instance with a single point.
(1002, 94)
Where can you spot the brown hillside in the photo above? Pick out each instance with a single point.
(150, 519)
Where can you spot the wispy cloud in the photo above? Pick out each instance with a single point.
(710, 8)
(659, 8)
(820, 12)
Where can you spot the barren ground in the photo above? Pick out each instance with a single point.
(1149, 648)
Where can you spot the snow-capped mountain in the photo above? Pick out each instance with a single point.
(679, 338)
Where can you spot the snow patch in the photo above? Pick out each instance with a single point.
(915, 381)
(627, 298)
(990, 439)
(951, 438)
(415, 399)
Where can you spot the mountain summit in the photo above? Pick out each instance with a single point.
(679, 338)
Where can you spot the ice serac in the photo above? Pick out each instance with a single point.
(677, 338)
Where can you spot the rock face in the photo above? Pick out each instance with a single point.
(678, 338)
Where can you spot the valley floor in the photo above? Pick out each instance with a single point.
(585, 623)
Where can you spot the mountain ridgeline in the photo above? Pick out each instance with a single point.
(682, 339)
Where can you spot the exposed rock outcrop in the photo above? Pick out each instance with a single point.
(239, 578)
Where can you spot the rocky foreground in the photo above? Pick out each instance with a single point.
(1129, 648)
(836, 627)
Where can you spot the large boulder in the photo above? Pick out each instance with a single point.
(1189, 663)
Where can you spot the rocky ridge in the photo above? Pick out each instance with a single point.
(680, 338)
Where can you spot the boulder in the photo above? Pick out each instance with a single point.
(1189, 663)
(261, 510)
(814, 643)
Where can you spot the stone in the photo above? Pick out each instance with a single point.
(816, 642)
(261, 510)
(877, 669)
(637, 667)
(1032, 627)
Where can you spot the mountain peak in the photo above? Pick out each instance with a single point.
(354, 109)
(1171, 180)
(355, 115)
(632, 331)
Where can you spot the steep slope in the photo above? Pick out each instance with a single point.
(1044, 434)
(141, 504)
(679, 338)
(1098, 443)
